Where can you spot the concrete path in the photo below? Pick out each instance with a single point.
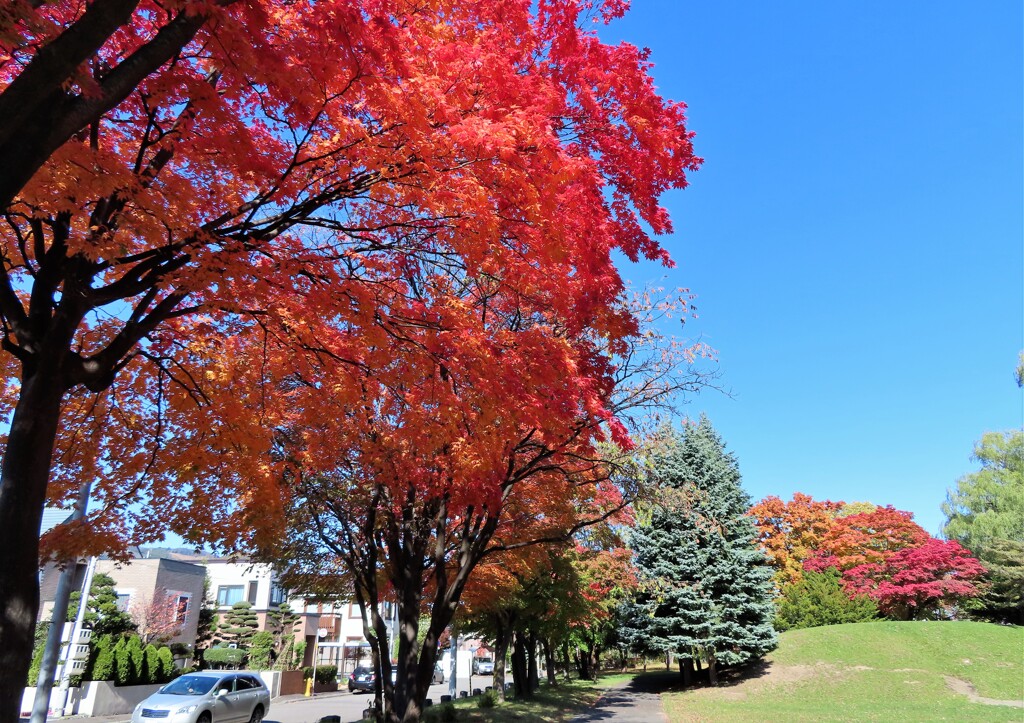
(626, 703)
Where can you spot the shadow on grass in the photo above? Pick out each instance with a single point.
(558, 704)
(668, 681)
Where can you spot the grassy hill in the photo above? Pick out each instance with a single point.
(884, 671)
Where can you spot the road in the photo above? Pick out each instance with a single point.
(299, 709)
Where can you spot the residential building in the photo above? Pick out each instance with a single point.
(163, 596)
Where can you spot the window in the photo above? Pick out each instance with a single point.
(277, 594)
(244, 682)
(228, 595)
(253, 587)
(124, 599)
(181, 605)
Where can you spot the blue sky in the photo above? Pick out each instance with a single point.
(854, 237)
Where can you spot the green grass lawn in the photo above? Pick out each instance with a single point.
(884, 671)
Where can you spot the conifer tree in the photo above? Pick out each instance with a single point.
(240, 624)
(708, 587)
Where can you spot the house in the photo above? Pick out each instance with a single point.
(163, 596)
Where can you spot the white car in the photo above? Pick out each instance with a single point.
(213, 696)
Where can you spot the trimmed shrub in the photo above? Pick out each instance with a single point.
(137, 660)
(102, 659)
(324, 673)
(151, 667)
(167, 667)
(222, 657)
(122, 663)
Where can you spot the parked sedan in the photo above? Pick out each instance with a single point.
(224, 696)
(438, 675)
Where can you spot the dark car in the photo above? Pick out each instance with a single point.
(361, 679)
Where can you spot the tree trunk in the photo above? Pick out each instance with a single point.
(505, 620)
(583, 664)
(23, 478)
(549, 661)
(712, 672)
(566, 660)
(519, 676)
(686, 670)
(532, 676)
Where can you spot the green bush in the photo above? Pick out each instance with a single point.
(488, 700)
(122, 663)
(102, 659)
(137, 660)
(819, 599)
(167, 667)
(151, 666)
(445, 713)
(260, 650)
(324, 673)
(221, 657)
(37, 660)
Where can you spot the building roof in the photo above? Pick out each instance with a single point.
(53, 516)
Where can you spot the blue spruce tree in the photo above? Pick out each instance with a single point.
(707, 586)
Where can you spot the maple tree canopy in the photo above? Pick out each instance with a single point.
(216, 207)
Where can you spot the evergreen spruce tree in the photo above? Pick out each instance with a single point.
(706, 586)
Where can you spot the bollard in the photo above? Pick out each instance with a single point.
(368, 712)
(446, 698)
(463, 694)
(309, 687)
(330, 719)
(477, 691)
(428, 702)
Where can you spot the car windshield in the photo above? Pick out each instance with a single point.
(190, 685)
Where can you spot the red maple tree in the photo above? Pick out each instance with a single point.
(915, 581)
(184, 176)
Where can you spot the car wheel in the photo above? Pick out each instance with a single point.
(204, 718)
(257, 715)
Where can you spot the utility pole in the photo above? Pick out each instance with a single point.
(452, 686)
(65, 678)
(48, 666)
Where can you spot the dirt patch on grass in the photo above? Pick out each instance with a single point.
(964, 688)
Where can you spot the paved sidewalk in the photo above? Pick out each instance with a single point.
(626, 703)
